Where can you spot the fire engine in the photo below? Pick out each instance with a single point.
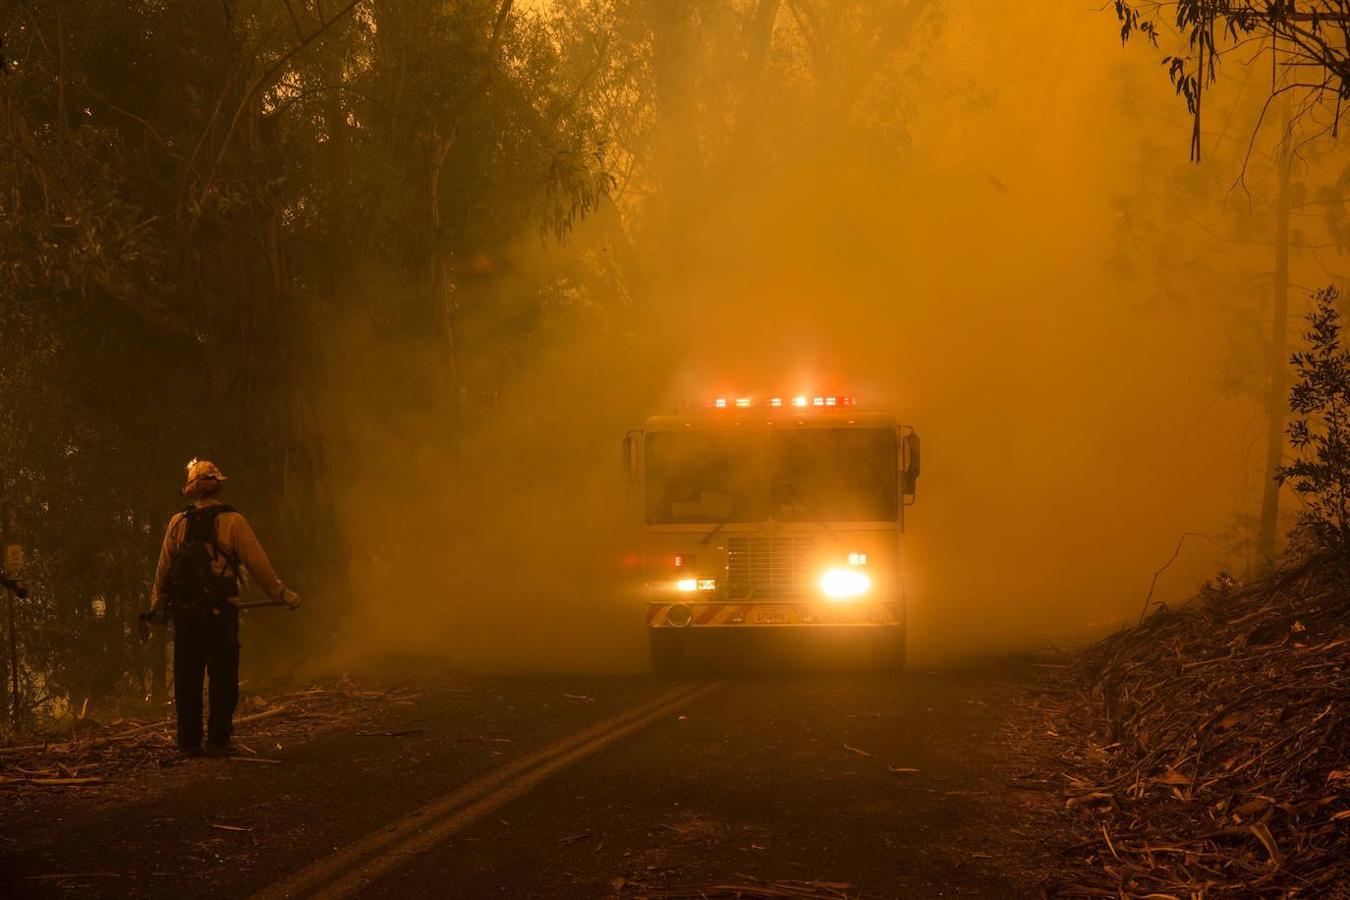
(773, 515)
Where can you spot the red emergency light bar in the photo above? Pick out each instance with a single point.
(798, 402)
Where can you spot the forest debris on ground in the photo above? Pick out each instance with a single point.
(749, 889)
(1207, 750)
(111, 752)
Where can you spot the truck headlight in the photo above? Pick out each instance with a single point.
(689, 585)
(844, 584)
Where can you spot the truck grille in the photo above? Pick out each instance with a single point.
(767, 566)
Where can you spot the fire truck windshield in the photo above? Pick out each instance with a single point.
(706, 476)
(807, 475)
(835, 475)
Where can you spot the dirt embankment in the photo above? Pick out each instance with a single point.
(1207, 751)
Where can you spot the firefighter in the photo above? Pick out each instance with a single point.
(197, 586)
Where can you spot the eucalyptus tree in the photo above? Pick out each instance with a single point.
(1305, 46)
(1312, 38)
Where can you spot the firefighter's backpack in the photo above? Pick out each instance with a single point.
(193, 587)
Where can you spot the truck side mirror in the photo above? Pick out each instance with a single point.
(14, 561)
(630, 468)
(910, 464)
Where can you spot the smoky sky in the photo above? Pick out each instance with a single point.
(982, 263)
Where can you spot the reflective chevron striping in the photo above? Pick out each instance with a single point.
(806, 615)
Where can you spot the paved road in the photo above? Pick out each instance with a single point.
(582, 787)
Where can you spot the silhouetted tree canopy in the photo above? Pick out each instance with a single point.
(1310, 40)
(273, 233)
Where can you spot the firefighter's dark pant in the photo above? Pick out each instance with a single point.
(206, 644)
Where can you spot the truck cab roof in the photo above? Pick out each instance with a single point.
(711, 419)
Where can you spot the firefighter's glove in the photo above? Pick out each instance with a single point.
(290, 598)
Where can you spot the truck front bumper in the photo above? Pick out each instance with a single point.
(775, 614)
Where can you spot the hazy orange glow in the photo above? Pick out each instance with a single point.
(985, 263)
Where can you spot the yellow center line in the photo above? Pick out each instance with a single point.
(358, 864)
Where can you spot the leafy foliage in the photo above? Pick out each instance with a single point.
(1309, 36)
(1320, 429)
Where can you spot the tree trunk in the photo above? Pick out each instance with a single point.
(16, 699)
(1267, 542)
(161, 666)
(676, 155)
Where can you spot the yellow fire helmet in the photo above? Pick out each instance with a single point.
(202, 470)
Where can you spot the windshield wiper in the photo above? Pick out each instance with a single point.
(703, 541)
(834, 535)
(786, 507)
